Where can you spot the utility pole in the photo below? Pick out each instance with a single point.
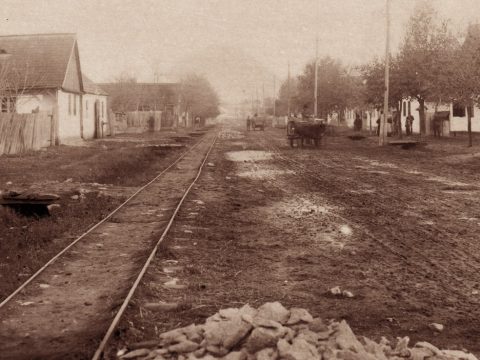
(288, 90)
(263, 97)
(315, 95)
(274, 97)
(256, 100)
(383, 120)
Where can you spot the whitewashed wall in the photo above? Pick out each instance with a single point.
(68, 123)
(26, 104)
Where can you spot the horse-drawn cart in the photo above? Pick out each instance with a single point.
(311, 130)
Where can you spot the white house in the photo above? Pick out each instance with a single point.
(457, 121)
(42, 72)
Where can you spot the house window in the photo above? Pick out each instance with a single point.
(458, 110)
(8, 104)
(409, 108)
(4, 105)
(103, 110)
(404, 108)
(86, 108)
(69, 104)
(74, 104)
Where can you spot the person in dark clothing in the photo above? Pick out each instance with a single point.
(357, 123)
(409, 124)
(437, 126)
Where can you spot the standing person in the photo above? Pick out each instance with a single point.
(378, 123)
(197, 122)
(357, 123)
(437, 126)
(409, 124)
(249, 123)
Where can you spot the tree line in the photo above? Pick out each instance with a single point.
(432, 64)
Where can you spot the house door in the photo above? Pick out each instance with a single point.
(98, 124)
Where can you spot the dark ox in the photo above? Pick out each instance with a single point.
(301, 130)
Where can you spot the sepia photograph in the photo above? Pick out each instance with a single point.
(239, 179)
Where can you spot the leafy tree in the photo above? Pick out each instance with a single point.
(373, 75)
(424, 56)
(198, 97)
(464, 75)
(287, 90)
(337, 89)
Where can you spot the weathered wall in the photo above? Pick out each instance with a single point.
(23, 132)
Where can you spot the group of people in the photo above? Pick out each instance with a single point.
(394, 122)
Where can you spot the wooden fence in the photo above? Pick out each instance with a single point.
(24, 132)
(138, 121)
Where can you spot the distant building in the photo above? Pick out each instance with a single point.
(133, 96)
(42, 72)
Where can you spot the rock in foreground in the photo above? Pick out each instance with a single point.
(273, 332)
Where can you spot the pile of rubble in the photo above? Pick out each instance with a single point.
(273, 332)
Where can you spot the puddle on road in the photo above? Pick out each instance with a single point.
(248, 155)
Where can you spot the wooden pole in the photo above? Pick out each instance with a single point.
(383, 120)
(274, 97)
(288, 91)
(315, 95)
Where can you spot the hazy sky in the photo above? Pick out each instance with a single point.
(144, 36)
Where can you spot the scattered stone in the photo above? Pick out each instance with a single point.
(135, 354)
(183, 347)
(299, 315)
(274, 311)
(299, 350)
(74, 197)
(436, 327)
(273, 332)
(317, 325)
(261, 338)
(336, 290)
(44, 286)
(211, 164)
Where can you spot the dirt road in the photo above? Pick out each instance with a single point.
(396, 228)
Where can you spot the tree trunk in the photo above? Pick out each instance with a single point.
(469, 125)
(421, 113)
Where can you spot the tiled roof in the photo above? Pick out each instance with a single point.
(39, 60)
(91, 88)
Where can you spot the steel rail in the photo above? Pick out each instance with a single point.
(53, 259)
(113, 325)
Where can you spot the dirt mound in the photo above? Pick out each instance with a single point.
(273, 332)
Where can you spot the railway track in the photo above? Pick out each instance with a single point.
(427, 265)
(15, 314)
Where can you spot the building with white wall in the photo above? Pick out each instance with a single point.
(42, 72)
